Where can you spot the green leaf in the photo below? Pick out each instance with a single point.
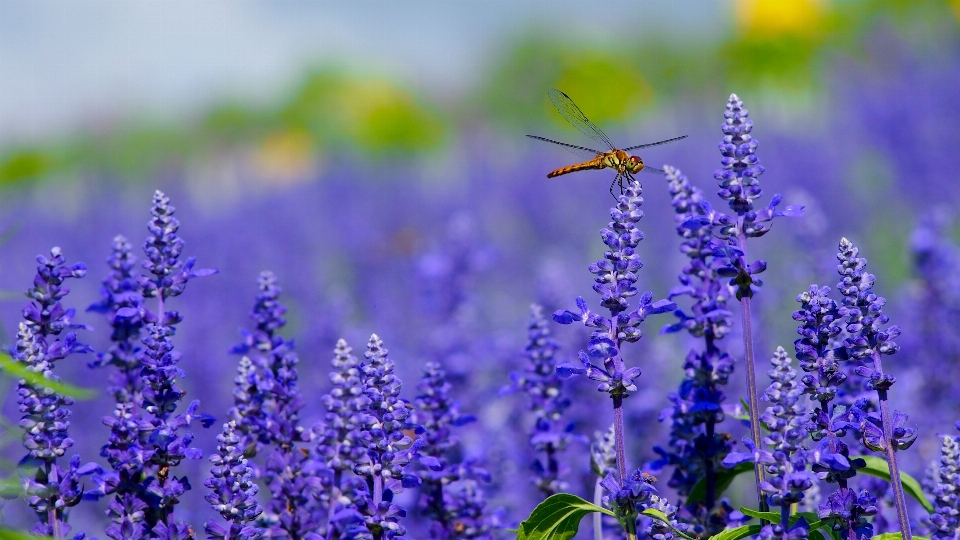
(19, 371)
(724, 479)
(557, 518)
(772, 517)
(895, 536)
(813, 520)
(13, 534)
(737, 533)
(10, 487)
(877, 466)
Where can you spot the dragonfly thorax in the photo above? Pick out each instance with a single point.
(623, 162)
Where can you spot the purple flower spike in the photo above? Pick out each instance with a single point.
(851, 508)
(48, 488)
(450, 495)
(739, 177)
(542, 381)
(388, 448)
(785, 420)
(946, 490)
(615, 282)
(696, 447)
(869, 342)
(233, 491)
(163, 248)
(267, 403)
(163, 439)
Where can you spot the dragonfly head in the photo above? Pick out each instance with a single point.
(634, 164)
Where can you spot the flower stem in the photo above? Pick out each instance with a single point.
(891, 452)
(622, 458)
(618, 437)
(751, 376)
(598, 516)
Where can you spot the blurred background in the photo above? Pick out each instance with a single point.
(372, 154)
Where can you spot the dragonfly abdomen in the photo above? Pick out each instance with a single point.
(586, 165)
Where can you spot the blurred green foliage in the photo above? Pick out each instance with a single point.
(783, 48)
(16, 370)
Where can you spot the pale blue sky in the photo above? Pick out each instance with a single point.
(77, 64)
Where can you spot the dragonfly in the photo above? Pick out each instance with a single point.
(614, 158)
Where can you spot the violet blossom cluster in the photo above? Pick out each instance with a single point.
(266, 410)
(696, 448)
(49, 488)
(544, 387)
(946, 490)
(786, 462)
(233, 493)
(144, 445)
(387, 448)
(869, 340)
(615, 282)
(450, 491)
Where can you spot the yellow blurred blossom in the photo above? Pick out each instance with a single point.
(774, 18)
(285, 156)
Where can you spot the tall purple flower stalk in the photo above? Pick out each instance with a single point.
(786, 461)
(266, 410)
(696, 448)
(122, 303)
(233, 492)
(450, 494)
(338, 435)
(164, 447)
(388, 448)
(615, 282)
(48, 488)
(946, 490)
(740, 187)
(544, 386)
(870, 341)
(819, 354)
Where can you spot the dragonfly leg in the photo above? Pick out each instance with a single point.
(615, 180)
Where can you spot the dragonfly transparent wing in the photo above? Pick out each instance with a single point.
(581, 151)
(652, 170)
(648, 145)
(569, 110)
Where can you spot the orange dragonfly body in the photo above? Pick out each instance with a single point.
(624, 164)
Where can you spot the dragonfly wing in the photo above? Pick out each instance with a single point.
(569, 110)
(578, 150)
(652, 170)
(648, 145)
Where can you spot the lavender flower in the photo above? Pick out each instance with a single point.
(629, 497)
(266, 408)
(233, 491)
(388, 448)
(163, 446)
(449, 492)
(820, 358)
(870, 341)
(696, 449)
(615, 282)
(338, 438)
(740, 187)
(785, 463)
(851, 509)
(122, 302)
(946, 520)
(50, 489)
(543, 385)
